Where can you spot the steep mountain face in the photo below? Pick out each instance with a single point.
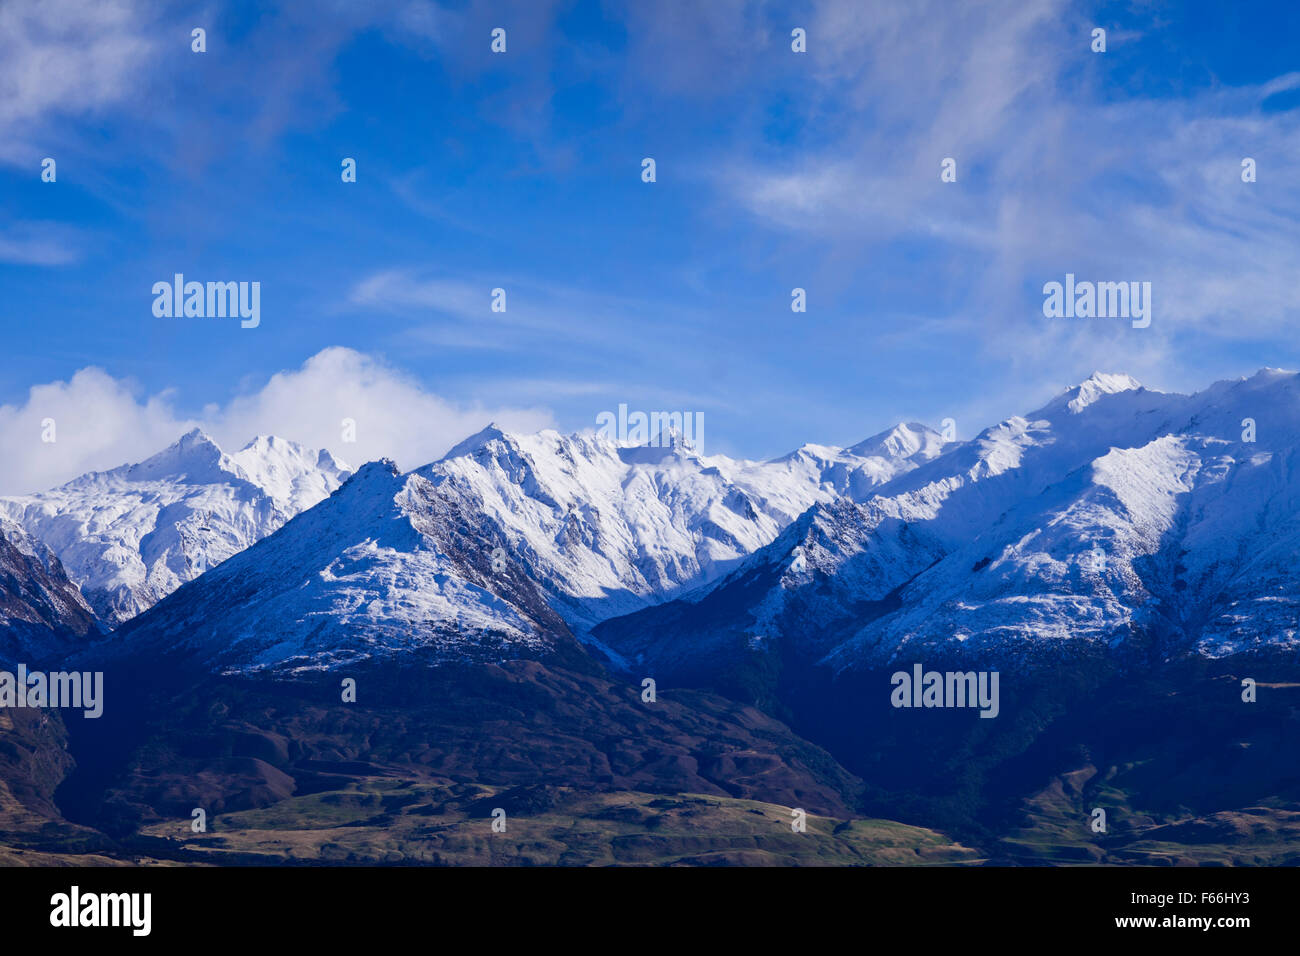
(41, 611)
(1114, 515)
(389, 564)
(132, 535)
(468, 684)
(607, 528)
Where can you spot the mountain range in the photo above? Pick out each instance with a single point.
(1113, 514)
(599, 528)
(1113, 544)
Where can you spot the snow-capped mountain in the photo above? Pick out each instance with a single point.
(502, 548)
(132, 535)
(41, 610)
(1113, 514)
(388, 564)
(607, 528)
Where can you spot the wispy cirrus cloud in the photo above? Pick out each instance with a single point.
(1056, 174)
(39, 244)
(69, 56)
(538, 313)
(260, 77)
(1050, 174)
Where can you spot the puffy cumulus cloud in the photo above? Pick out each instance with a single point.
(395, 416)
(100, 422)
(96, 422)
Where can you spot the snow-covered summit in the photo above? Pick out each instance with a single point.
(611, 526)
(1098, 384)
(131, 535)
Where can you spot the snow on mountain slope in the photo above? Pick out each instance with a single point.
(608, 527)
(1113, 513)
(41, 610)
(1162, 538)
(134, 534)
(387, 564)
(504, 547)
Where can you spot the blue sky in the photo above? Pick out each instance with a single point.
(522, 170)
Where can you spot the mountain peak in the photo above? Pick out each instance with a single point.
(811, 450)
(1096, 386)
(664, 444)
(1110, 382)
(382, 469)
(269, 442)
(1270, 374)
(133, 534)
(326, 461)
(488, 433)
(194, 456)
(901, 441)
(669, 437)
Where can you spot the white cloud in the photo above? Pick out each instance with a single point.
(540, 316)
(99, 422)
(1052, 176)
(398, 290)
(38, 244)
(68, 56)
(102, 422)
(63, 59)
(396, 416)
